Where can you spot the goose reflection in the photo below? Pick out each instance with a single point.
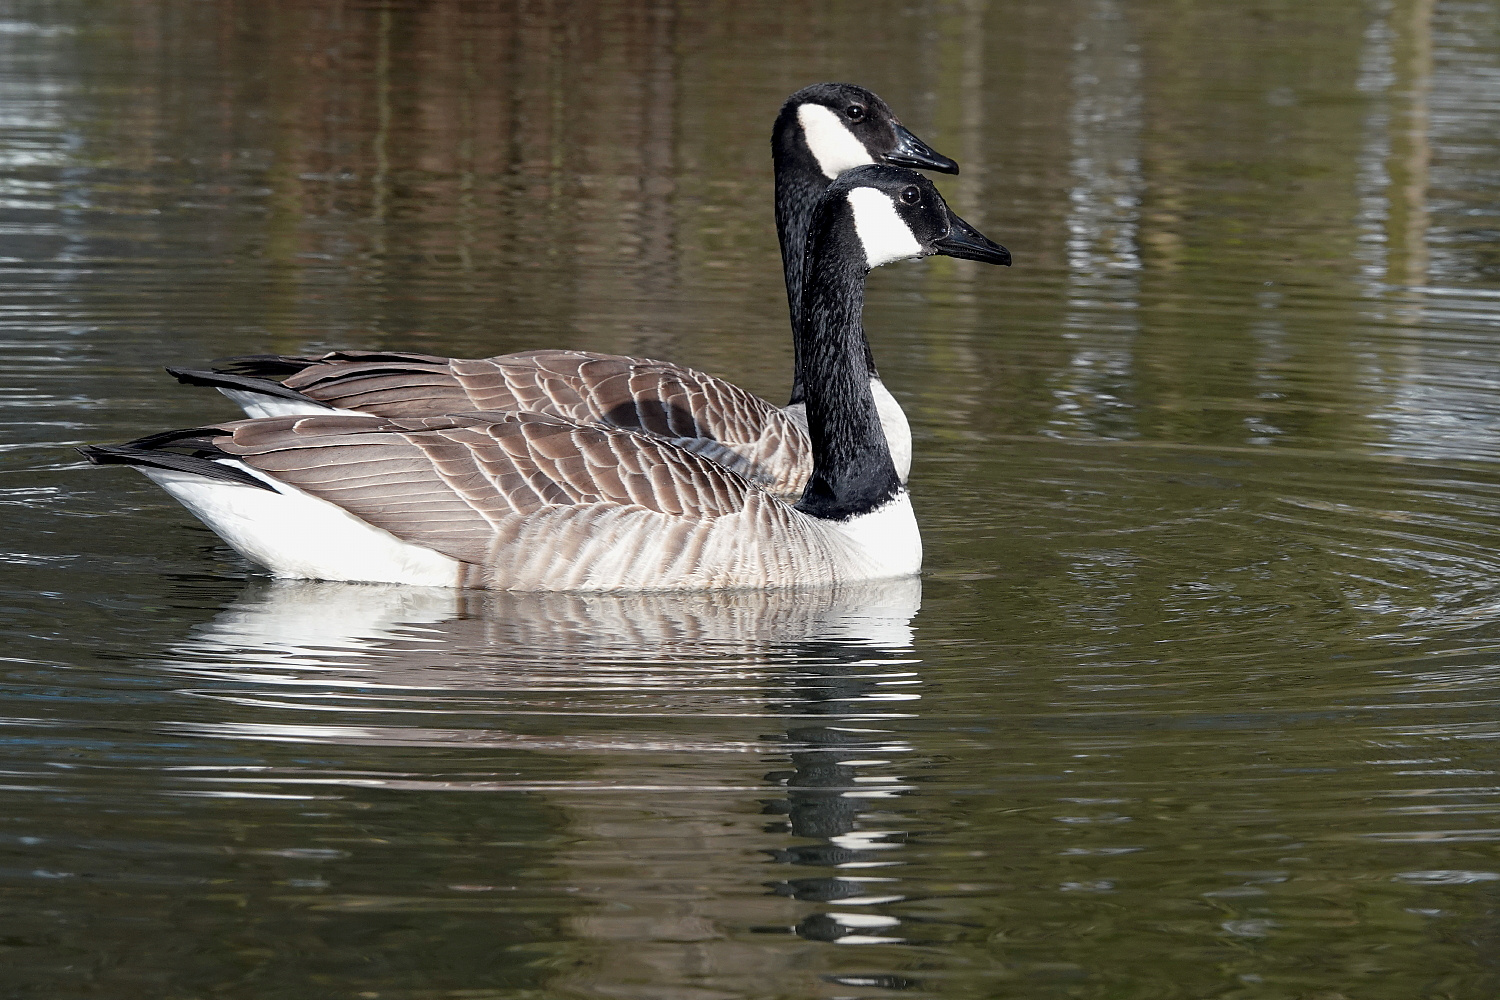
(662, 709)
(313, 622)
(839, 776)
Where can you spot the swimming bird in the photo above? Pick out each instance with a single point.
(521, 500)
(820, 132)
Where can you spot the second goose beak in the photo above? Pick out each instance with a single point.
(963, 240)
(913, 152)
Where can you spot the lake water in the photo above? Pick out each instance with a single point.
(1198, 696)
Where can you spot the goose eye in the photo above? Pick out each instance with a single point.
(855, 112)
(910, 195)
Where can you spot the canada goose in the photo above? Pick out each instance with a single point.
(820, 132)
(530, 501)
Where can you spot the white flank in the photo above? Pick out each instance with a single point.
(256, 404)
(834, 147)
(886, 539)
(884, 235)
(299, 536)
(893, 424)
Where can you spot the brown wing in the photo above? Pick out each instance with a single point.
(690, 408)
(454, 483)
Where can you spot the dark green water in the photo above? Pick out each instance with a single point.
(1201, 698)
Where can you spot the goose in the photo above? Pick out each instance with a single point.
(820, 132)
(521, 500)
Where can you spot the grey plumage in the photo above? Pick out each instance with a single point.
(689, 408)
(532, 501)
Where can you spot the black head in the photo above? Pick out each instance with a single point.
(844, 126)
(898, 214)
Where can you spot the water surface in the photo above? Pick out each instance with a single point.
(1198, 693)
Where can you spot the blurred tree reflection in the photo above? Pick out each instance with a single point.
(594, 174)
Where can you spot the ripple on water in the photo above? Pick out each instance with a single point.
(1201, 696)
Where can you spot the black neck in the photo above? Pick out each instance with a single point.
(852, 469)
(799, 184)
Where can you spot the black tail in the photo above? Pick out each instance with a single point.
(280, 366)
(277, 366)
(197, 459)
(245, 383)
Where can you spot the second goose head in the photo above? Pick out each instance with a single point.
(898, 214)
(842, 126)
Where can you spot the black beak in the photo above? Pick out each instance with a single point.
(963, 240)
(913, 152)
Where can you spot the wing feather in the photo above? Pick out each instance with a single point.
(694, 410)
(483, 488)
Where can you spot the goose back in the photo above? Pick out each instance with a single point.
(687, 407)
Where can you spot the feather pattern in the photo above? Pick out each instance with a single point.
(712, 417)
(529, 501)
(689, 408)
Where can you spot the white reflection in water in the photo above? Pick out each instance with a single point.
(431, 667)
(670, 703)
(320, 624)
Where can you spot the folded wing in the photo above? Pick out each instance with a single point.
(689, 408)
(531, 501)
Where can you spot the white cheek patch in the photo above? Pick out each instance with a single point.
(884, 235)
(832, 144)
